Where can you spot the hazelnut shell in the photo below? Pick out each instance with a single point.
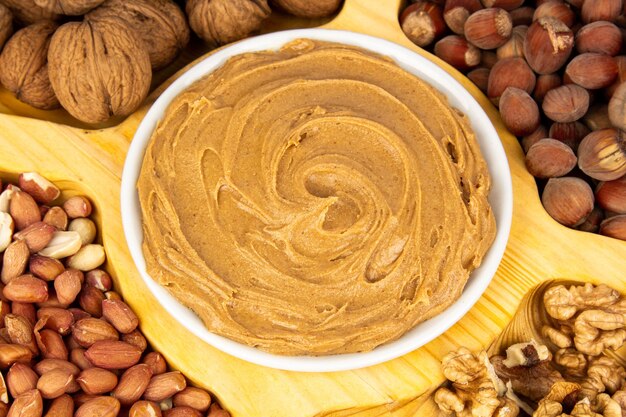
(78, 53)
(601, 37)
(611, 195)
(510, 72)
(423, 22)
(592, 70)
(24, 65)
(488, 28)
(549, 158)
(160, 24)
(614, 227)
(568, 200)
(519, 111)
(602, 155)
(548, 45)
(219, 22)
(566, 103)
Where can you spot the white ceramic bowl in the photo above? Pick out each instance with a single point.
(500, 198)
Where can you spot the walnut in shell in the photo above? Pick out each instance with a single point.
(99, 69)
(6, 24)
(27, 12)
(68, 7)
(24, 65)
(222, 21)
(307, 8)
(161, 25)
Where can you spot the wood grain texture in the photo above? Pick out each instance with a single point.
(90, 162)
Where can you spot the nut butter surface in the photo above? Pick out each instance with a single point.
(314, 200)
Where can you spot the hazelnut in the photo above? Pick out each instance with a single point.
(160, 24)
(522, 16)
(308, 9)
(614, 227)
(519, 111)
(594, 10)
(548, 45)
(566, 103)
(602, 154)
(592, 70)
(489, 28)
(514, 47)
(78, 49)
(24, 66)
(223, 21)
(598, 117)
(569, 133)
(549, 158)
(503, 4)
(617, 107)
(488, 59)
(422, 22)
(27, 12)
(456, 51)
(611, 195)
(456, 12)
(6, 24)
(620, 60)
(68, 7)
(480, 77)
(556, 9)
(601, 37)
(545, 83)
(575, 3)
(592, 222)
(568, 200)
(510, 72)
(529, 140)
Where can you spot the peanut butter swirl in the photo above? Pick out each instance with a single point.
(314, 200)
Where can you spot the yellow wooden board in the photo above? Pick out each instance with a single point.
(90, 162)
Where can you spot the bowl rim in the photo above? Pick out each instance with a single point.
(501, 200)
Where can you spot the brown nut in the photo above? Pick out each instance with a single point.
(46, 365)
(24, 66)
(96, 381)
(308, 9)
(514, 47)
(25, 310)
(216, 411)
(6, 24)
(21, 378)
(529, 140)
(592, 70)
(519, 111)
(42, 190)
(545, 83)
(556, 9)
(182, 411)
(55, 383)
(51, 344)
(456, 12)
(99, 406)
(510, 72)
(161, 25)
(503, 4)
(548, 45)
(568, 200)
(617, 107)
(58, 319)
(26, 289)
(567, 103)
(620, 60)
(15, 259)
(456, 51)
(132, 384)
(27, 12)
(549, 158)
(120, 315)
(193, 397)
(570, 134)
(145, 409)
(598, 117)
(77, 207)
(156, 362)
(27, 404)
(13, 353)
(594, 10)
(602, 155)
(45, 268)
(90, 330)
(480, 77)
(24, 210)
(77, 49)
(164, 386)
(109, 354)
(68, 7)
(422, 22)
(600, 37)
(611, 195)
(522, 16)
(99, 279)
(218, 22)
(68, 285)
(137, 339)
(614, 227)
(489, 28)
(37, 236)
(90, 300)
(62, 406)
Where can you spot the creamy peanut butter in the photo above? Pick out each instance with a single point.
(314, 200)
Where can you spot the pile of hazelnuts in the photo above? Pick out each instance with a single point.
(556, 69)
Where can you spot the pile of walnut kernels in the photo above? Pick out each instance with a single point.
(576, 376)
(69, 344)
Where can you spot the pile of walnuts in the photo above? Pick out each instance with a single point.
(95, 57)
(573, 374)
(556, 69)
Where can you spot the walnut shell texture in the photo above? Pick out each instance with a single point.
(307, 8)
(24, 65)
(6, 24)
(161, 24)
(68, 7)
(222, 21)
(27, 12)
(99, 69)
